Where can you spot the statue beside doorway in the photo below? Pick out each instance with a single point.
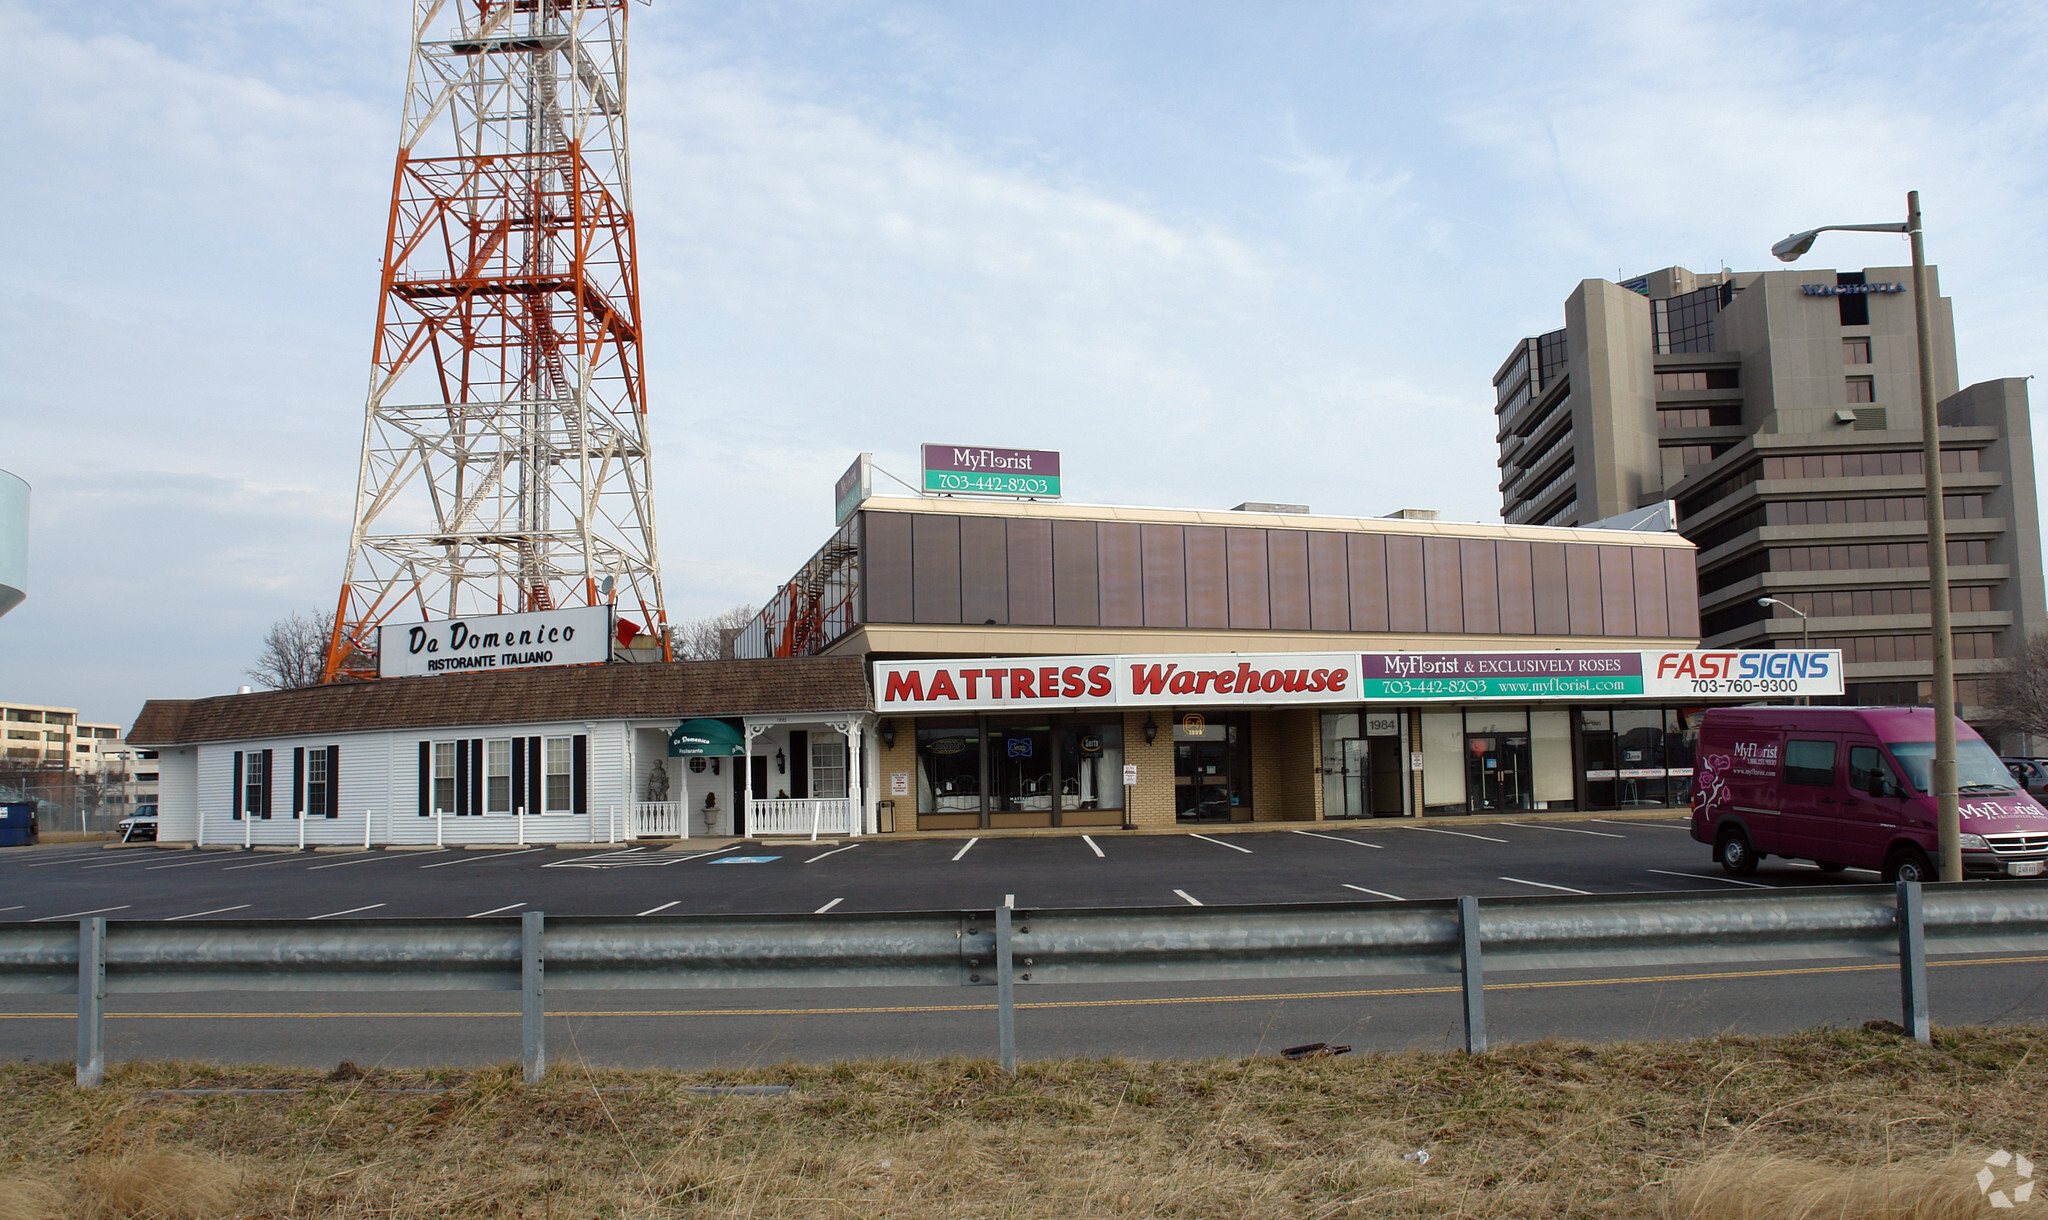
(657, 782)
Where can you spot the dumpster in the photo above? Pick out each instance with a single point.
(18, 826)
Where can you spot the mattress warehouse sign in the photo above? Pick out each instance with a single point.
(1297, 679)
(576, 635)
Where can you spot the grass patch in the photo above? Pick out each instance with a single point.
(1854, 1123)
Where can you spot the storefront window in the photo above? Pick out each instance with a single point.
(1020, 768)
(1550, 750)
(1639, 751)
(1596, 743)
(1443, 762)
(949, 769)
(1091, 766)
(1497, 759)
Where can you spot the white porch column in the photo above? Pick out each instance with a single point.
(747, 777)
(856, 799)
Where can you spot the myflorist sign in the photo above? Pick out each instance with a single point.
(575, 635)
(978, 471)
(1673, 673)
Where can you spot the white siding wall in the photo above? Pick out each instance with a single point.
(379, 783)
(177, 794)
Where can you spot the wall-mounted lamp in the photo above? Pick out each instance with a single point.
(888, 731)
(714, 766)
(1151, 729)
(781, 763)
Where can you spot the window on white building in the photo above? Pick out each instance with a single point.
(557, 793)
(498, 775)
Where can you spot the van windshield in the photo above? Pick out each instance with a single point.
(1977, 768)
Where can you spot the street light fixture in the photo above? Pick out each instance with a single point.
(1805, 636)
(1944, 769)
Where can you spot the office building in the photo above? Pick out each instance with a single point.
(1780, 412)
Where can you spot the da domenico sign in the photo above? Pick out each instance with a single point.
(1282, 679)
(577, 635)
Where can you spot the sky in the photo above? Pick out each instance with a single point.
(1210, 252)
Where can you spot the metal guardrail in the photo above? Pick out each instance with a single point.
(1005, 947)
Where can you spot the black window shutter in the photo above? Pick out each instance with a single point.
(238, 785)
(298, 780)
(476, 775)
(268, 782)
(534, 771)
(333, 809)
(461, 779)
(426, 778)
(518, 775)
(579, 774)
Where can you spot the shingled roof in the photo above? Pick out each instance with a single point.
(780, 686)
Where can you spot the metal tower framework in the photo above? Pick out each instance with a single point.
(505, 464)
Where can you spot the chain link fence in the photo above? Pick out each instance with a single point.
(67, 802)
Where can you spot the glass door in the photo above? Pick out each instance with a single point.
(1497, 771)
(1201, 781)
(1352, 790)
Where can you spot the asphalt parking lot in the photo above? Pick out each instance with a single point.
(1370, 862)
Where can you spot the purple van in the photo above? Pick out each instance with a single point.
(1847, 787)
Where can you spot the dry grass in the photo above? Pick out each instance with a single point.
(1832, 1124)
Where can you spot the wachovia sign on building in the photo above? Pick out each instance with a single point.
(574, 635)
(975, 471)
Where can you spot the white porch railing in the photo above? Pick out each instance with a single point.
(832, 815)
(658, 819)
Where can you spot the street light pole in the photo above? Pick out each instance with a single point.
(1949, 815)
(1805, 635)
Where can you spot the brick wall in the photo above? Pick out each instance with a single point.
(900, 757)
(1152, 800)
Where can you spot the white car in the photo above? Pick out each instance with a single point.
(139, 826)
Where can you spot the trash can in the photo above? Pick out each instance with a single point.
(18, 825)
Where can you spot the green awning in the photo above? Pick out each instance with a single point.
(705, 739)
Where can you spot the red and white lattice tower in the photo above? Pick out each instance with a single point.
(505, 463)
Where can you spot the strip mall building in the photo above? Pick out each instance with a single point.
(1052, 665)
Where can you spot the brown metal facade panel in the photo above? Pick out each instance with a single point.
(1517, 589)
(672, 692)
(1120, 574)
(984, 571)
(1329, 584)
(1553, 596)
(1478, 570)
(1682, 591)
(935, 563)
(1030, 561)
(1407, 607)
(1208, 574)
(886, 567)
(1251, 599)
(1443, 589)
(1166, 583)
(1652, 607)
(1582, 583)
(1074, 602)
(1617, 590)
(1367, 557)
(1287, 578)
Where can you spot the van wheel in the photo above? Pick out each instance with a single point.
(1734, 853)
(1908, 864)
(1829, 866)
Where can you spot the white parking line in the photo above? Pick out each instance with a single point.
(1605, 834)
(1341, 839)
(495, 911)
(1375, 893)
(1460, 833)
(828, 906)
(1220, 843)
(16, 907)
(1545, 885)
(1664, 823)
(115, 863)
(367, 858)
(80, 914)
(351, 911)
(1755, 885)
(500, 855)
(835, 851)
(1090, 841)
(963, 851)
(75, 857)
(263, 863)
(209, 859)
(1189, 898)
(658, 910)
(216, 911)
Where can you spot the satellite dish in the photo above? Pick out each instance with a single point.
(604, 587)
